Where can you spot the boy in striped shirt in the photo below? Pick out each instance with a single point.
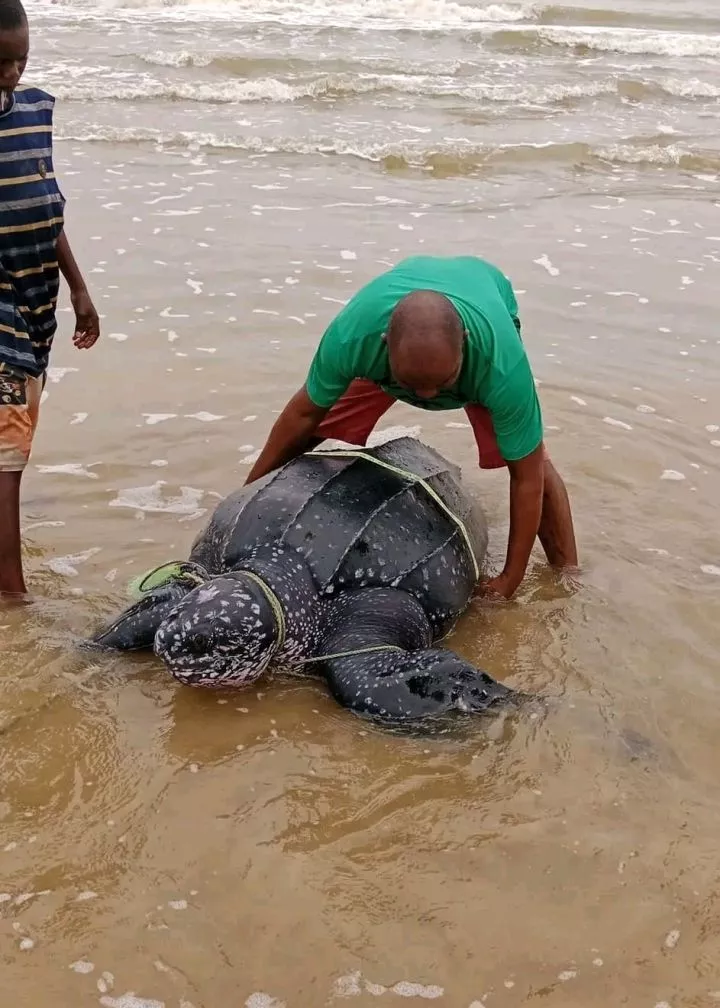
(34, 250)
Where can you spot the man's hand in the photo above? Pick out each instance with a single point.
(498, 588)
(526, 495)
(87, 323)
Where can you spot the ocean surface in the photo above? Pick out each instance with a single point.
(235, 171)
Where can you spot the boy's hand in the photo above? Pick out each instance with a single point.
(87, 323)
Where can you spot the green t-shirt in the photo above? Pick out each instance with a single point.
(495, 371)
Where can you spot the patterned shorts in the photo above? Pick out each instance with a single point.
(19, 410)
(353, 417)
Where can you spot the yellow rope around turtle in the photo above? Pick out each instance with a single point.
(280, 626)
(412, 478)
(276, 604)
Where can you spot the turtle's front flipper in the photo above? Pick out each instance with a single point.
(392, 674)
(157, 593)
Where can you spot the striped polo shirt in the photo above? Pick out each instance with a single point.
(31, 221)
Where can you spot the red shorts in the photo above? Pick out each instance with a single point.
(353, 417)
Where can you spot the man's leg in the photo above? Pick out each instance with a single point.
(556, 532)
(19, 405)
(354, 416)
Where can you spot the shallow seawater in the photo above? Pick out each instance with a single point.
(234, 172)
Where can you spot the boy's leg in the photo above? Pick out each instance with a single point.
(11, 572)
(556, 532)
(19, 406)
(353, 417)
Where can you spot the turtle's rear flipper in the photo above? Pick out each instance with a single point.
(158, 593)
(391, 673)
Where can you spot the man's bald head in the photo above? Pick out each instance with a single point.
(425, 343)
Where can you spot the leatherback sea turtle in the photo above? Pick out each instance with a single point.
(350, 563)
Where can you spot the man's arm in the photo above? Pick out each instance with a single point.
(87, 323)
(290, 436)
(526, 499)
(517, 421)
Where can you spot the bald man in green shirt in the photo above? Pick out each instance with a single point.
(439, 333)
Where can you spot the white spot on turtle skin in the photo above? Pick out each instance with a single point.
(642, 408)
(671, 939)
(118, 336)
(88, 894)
(711, 569)
(79, 418)
(673, 475)
(577, 400)
(567, 975)
(617, 423)
(178, 904)
(26, 944)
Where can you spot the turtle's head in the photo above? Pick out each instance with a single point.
(224, 633)
(156, 594)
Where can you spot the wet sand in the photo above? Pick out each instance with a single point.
(268, 842)
(160, 846)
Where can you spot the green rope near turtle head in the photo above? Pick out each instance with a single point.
(162, 575)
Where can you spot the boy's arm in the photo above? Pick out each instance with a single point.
(87, 323)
